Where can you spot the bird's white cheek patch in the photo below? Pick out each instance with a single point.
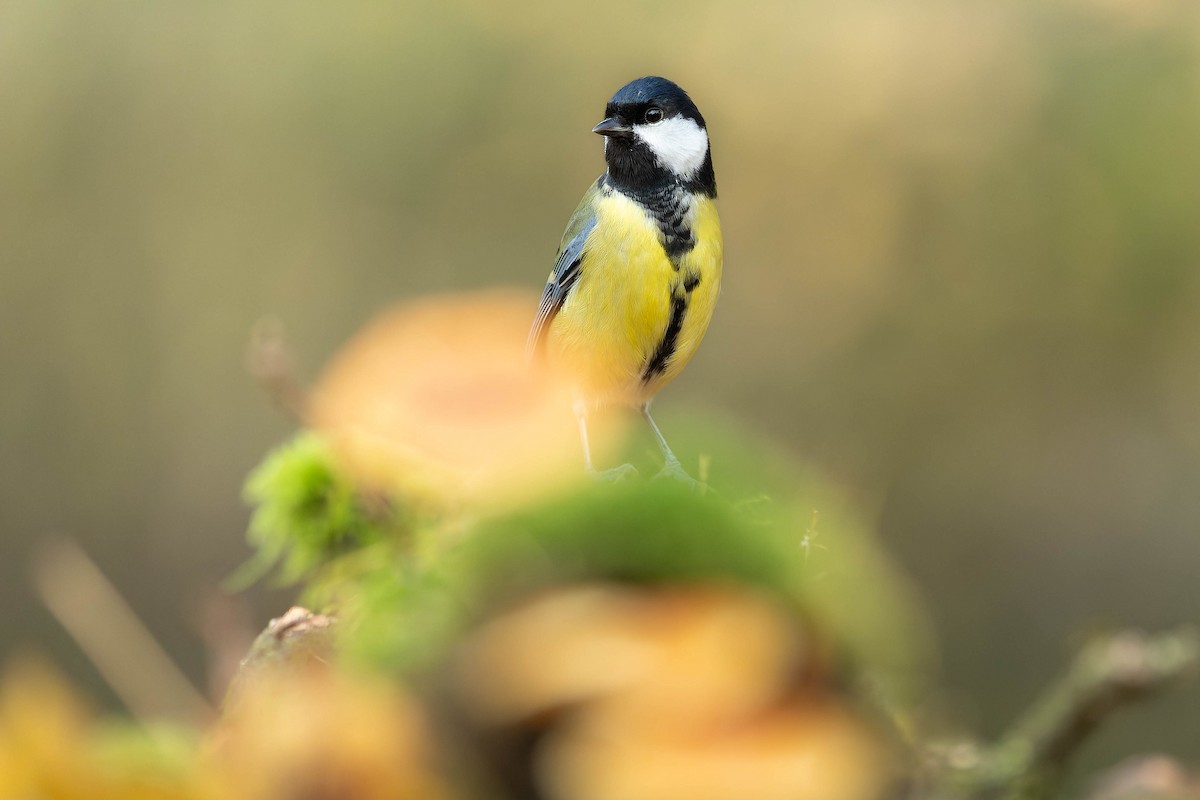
(678, 143)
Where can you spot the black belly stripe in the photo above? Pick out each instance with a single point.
(666, 348)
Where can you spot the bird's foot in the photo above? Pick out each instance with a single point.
(617, 474)
(673, 471)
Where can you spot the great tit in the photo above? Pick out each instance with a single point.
(638, 270)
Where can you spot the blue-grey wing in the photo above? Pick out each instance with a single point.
(567, 268)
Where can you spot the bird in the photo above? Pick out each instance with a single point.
(638, 269)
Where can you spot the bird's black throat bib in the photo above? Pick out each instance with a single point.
(668, 203)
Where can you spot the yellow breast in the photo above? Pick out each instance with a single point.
(617, 315)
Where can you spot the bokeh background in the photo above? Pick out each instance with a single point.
(963, 277)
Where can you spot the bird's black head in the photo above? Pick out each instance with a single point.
(655, 136)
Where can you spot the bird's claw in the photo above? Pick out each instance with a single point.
(672, 470)
(617, 474)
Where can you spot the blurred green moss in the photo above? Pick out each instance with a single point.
(769, 524)
(307, 514)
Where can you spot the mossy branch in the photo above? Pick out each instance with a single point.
(1029, 762)
(294, 641)
(405, 612)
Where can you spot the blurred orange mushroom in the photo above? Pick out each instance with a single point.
(693, 692)
(435, 400)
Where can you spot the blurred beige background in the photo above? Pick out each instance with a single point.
(963, 243)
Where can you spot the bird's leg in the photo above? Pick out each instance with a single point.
(581, 415)
(616, 473)
(671, 466)
(669, 459)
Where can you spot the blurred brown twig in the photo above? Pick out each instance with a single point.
(269, 361)
(124, 652)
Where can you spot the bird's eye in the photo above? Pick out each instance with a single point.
(654, 115)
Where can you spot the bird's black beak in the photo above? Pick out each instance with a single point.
(613, 126)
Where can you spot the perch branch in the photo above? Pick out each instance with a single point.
(296, 640)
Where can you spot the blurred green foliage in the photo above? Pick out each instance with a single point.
(307, 514)
(402, 607)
